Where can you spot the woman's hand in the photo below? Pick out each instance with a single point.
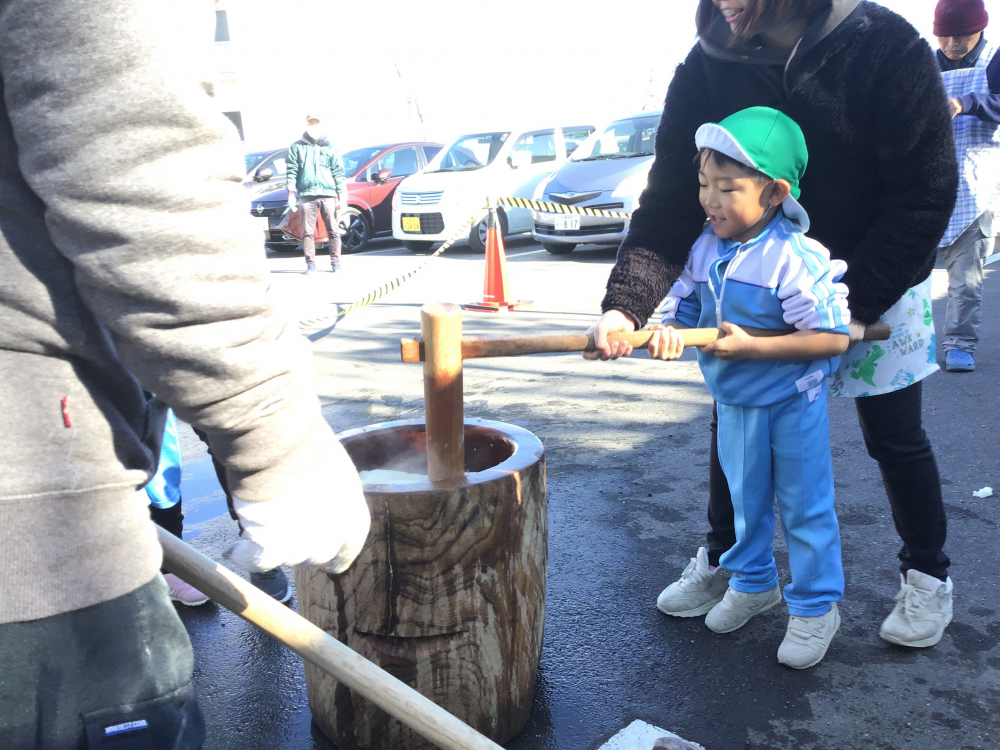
(613, 321)
(956, 107)
(735, 343)
(667, 343)
(857, 332)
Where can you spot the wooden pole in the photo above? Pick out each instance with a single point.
(319, 648)
(413, 350)
(441, 332)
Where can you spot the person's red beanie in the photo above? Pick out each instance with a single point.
(960, 17)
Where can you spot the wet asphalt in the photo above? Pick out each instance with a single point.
(627, 455)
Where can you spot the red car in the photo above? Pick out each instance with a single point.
(372, 176)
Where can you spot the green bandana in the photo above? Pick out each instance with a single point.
(768, 141)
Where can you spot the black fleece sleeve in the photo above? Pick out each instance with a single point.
(915, 149)
(669, 218)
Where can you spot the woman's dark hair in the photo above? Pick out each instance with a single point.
(759, 15)
(722, 160)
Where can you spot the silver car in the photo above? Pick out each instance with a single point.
(608, 171)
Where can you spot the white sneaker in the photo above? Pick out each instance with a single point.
(183, 592)
(922, 611)
(808, 638)
(737, 607)
(696, 591)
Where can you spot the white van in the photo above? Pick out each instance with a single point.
(429, 207)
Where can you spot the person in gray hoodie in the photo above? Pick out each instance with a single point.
(127, 261)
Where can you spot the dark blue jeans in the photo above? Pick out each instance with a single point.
(114, 675)
(895, 437)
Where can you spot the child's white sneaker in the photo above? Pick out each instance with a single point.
(737, 607)
(696, 591)
(922, 611)
(808, 638)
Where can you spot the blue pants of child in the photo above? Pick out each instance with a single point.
(783, 451)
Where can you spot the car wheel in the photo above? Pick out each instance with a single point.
(477, 235)
(355, 238)
(415, 246)
(558, 248)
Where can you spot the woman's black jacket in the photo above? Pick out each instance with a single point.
(882, 176)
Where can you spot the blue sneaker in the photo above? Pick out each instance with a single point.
(335, 267)
(955, 360)
(310, 269)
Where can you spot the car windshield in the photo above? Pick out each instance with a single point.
(623, 139)
(357, 157)
(469, 152)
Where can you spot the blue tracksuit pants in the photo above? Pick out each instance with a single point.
(164, 489)
(783, 450)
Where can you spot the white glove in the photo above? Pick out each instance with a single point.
(293, 202)
(327, 527)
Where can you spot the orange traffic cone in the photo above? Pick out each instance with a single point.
(495, 288)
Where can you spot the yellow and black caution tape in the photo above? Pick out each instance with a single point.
(558, 208)
(389, 286)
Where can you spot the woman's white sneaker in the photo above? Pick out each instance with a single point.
(696, 591)
(922, 611)
(808, 638)
(737, 607)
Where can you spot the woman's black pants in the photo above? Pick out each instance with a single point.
(895, 437)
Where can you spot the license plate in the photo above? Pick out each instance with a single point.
(567, 223)
(411, 224)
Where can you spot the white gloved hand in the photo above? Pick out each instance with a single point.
(293, 202)
(326, 528)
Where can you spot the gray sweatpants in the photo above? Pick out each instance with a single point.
(114, 676)
(964, 260)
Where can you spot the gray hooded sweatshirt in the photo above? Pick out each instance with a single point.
(127, 259)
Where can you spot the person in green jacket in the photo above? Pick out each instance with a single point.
(315, 178)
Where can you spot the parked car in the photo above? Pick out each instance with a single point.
(373, 173)
(265, 170)
(431, 206)
(608, 171)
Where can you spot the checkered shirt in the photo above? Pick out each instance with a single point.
(977, 144)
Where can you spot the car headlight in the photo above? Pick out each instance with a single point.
(632, 186)
(396, 200)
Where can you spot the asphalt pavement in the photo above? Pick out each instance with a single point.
(627, 455)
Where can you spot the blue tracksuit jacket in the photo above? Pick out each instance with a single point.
(780, 280)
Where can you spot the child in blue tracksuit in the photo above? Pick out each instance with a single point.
(753, 267)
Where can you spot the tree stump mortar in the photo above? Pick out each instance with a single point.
(448, 594)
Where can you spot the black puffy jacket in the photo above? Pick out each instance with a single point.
(882, 177)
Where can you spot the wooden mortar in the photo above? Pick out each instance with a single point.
(448, 594)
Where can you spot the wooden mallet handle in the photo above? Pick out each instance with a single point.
(412, 350)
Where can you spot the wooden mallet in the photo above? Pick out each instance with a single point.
(413, 350)
(442, 349)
